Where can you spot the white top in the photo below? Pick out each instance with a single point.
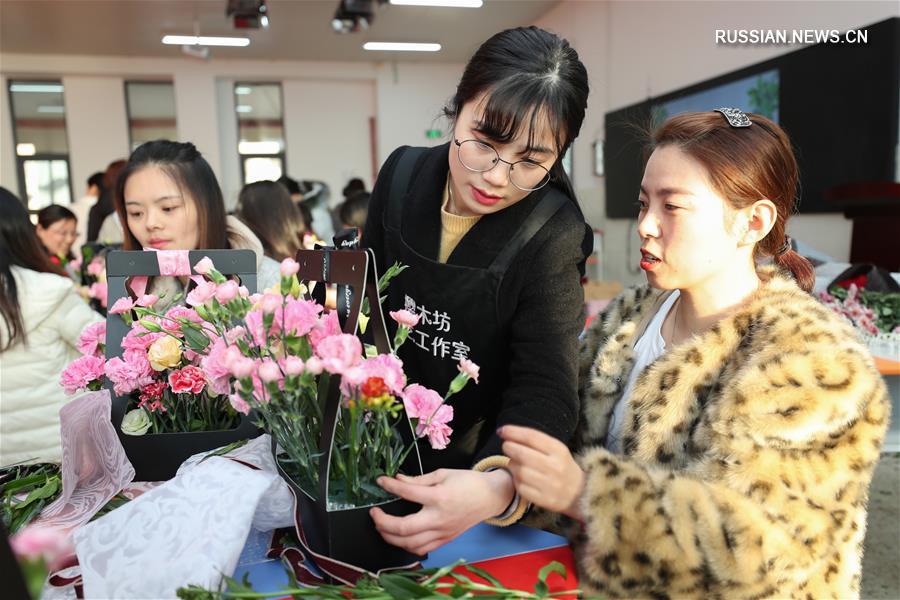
(648, 348)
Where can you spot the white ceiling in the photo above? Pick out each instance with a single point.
(299, 29)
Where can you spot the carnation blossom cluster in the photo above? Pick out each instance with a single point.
(266, 354)
(862, 317)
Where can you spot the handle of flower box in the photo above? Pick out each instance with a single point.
(356, 275)
(121, 266)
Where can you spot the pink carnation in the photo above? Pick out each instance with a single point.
(239, 404)
(227, 292)
(292, 366)
(99, 291)
(129, 373)
(436, 429)
(187, 380)
(469, 368)
(406, 318)
(271, 302)
(327, 326)
(269, 371)
(215, 364)
(81, 372)
(386, 367)
(340, 352)
(298, 317)
(172, 323)
(96, 266)
(121, 306)
(147, 300)
(92, 339)
(204, 265)
(38, 542)
(421, 402)
(289, 267)
(433, 415)
(138, 338)
(201, 294)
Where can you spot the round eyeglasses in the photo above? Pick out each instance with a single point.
(479, 157)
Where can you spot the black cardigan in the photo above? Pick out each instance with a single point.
(541, 297)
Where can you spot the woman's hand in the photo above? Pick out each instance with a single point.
(453, 500)
(544, 471)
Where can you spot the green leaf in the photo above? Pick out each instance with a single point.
(541, 589)
(484, 575)
(47, 490)
(553, 567)
(402, 588)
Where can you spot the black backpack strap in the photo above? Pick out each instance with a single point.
(549, 205)
(400, 183)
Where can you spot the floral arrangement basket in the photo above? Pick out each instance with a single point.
(157, 456)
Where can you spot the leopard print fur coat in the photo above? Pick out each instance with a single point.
(748, 453)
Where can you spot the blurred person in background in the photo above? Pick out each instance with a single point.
(82, 208)
(104, 206)
(57, 229)
(267, 209)
(354, 210)
(41, 319)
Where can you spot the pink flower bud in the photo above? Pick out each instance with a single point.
(270, 303)
(147, 300)
(313, 365)
(404, 317)
(469, 368)
(242, 367)
(269, 371)
(204, 266)
(227, 292)
(293, 366)
(243, 291)
(239, 404)
(289, 267)
(121, 306)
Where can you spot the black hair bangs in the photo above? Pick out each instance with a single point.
(523, 104)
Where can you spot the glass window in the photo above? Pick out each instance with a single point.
(42, 149)
(260, 130)
(151, 111)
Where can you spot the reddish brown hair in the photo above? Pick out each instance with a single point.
(745, 164)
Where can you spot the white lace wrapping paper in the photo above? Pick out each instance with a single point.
(189, 530)
(276, 507)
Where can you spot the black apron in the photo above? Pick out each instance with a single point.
(459, 318)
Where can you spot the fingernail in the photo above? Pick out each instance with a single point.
(500, 431)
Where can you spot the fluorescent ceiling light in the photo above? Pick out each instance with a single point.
(202, 40)
(51, 109)
(401, 46)
(53, 88)
(242, 90)
(446, 3)
(259, 147)
(25, 149)
(243, 108)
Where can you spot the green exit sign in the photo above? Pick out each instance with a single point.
(434, 134)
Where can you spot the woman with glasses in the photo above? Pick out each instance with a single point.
(495, 246)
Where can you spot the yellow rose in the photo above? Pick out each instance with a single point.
(164, 353)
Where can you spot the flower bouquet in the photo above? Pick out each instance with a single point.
(340, 415)
(164, 407)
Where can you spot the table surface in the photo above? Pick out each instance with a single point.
(481, 543)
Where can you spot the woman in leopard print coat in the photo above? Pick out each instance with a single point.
(748, 446)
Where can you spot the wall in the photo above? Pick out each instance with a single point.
(328, 132)
(410, 98)
(633, 50)
(97, 127)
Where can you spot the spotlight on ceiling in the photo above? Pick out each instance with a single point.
(354, 15)
(248, 14)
